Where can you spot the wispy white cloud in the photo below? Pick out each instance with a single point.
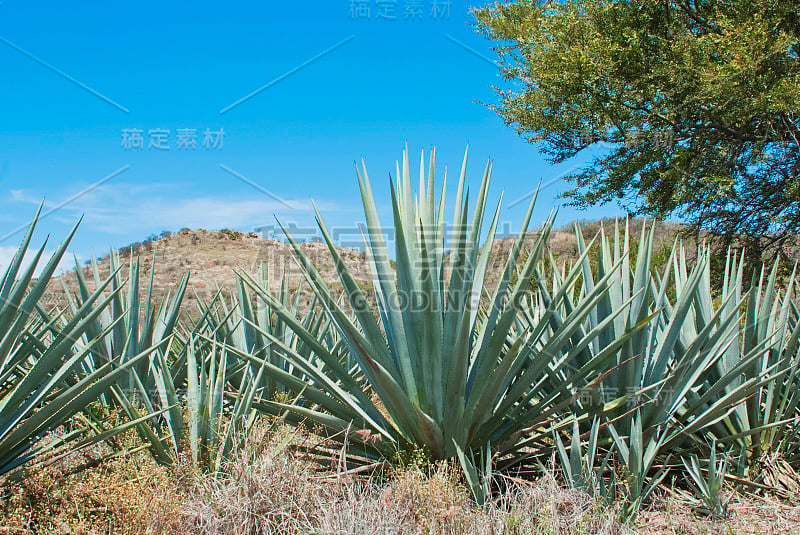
(134, 208)
(8, 252)
(18, 195)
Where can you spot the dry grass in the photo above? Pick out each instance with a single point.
(751, 514)
(267, 488)
(279, 494)
(128, 495)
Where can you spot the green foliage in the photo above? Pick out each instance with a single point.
(477, 472)
(451, 371)
(710, 486)
(132, 323)
(252, 330)
(696, 101)
(643, 468)
(617, 365)
(221, 368)
(630, 345)
(697, 370)
(765, 422)
(581, 466)
(44, 376)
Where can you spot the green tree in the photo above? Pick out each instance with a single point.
(698, 101)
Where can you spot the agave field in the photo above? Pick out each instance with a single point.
(629, 376)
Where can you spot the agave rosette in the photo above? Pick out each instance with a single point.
(445, 366)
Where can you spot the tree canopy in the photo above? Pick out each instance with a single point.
(699, 101)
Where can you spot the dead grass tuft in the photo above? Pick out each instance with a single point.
(127, 495)
(751, 514)
(279, 493)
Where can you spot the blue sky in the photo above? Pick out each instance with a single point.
(78, 74)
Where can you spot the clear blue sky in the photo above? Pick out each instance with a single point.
(76, 74)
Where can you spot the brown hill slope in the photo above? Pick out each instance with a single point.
(213, 257)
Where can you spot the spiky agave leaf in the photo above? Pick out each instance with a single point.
(709, 488)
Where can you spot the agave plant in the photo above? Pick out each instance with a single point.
(248, 326)
(666, 361)
(136, 324)
(583, 463)
(446, 366)
(44, 380)
(131, 325)
(210, 392)
(687, 372)
(764, 424)
(643, 469)
(708, 488)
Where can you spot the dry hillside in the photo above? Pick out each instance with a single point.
(213, 257)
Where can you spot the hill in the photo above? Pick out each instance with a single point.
(213, 257)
